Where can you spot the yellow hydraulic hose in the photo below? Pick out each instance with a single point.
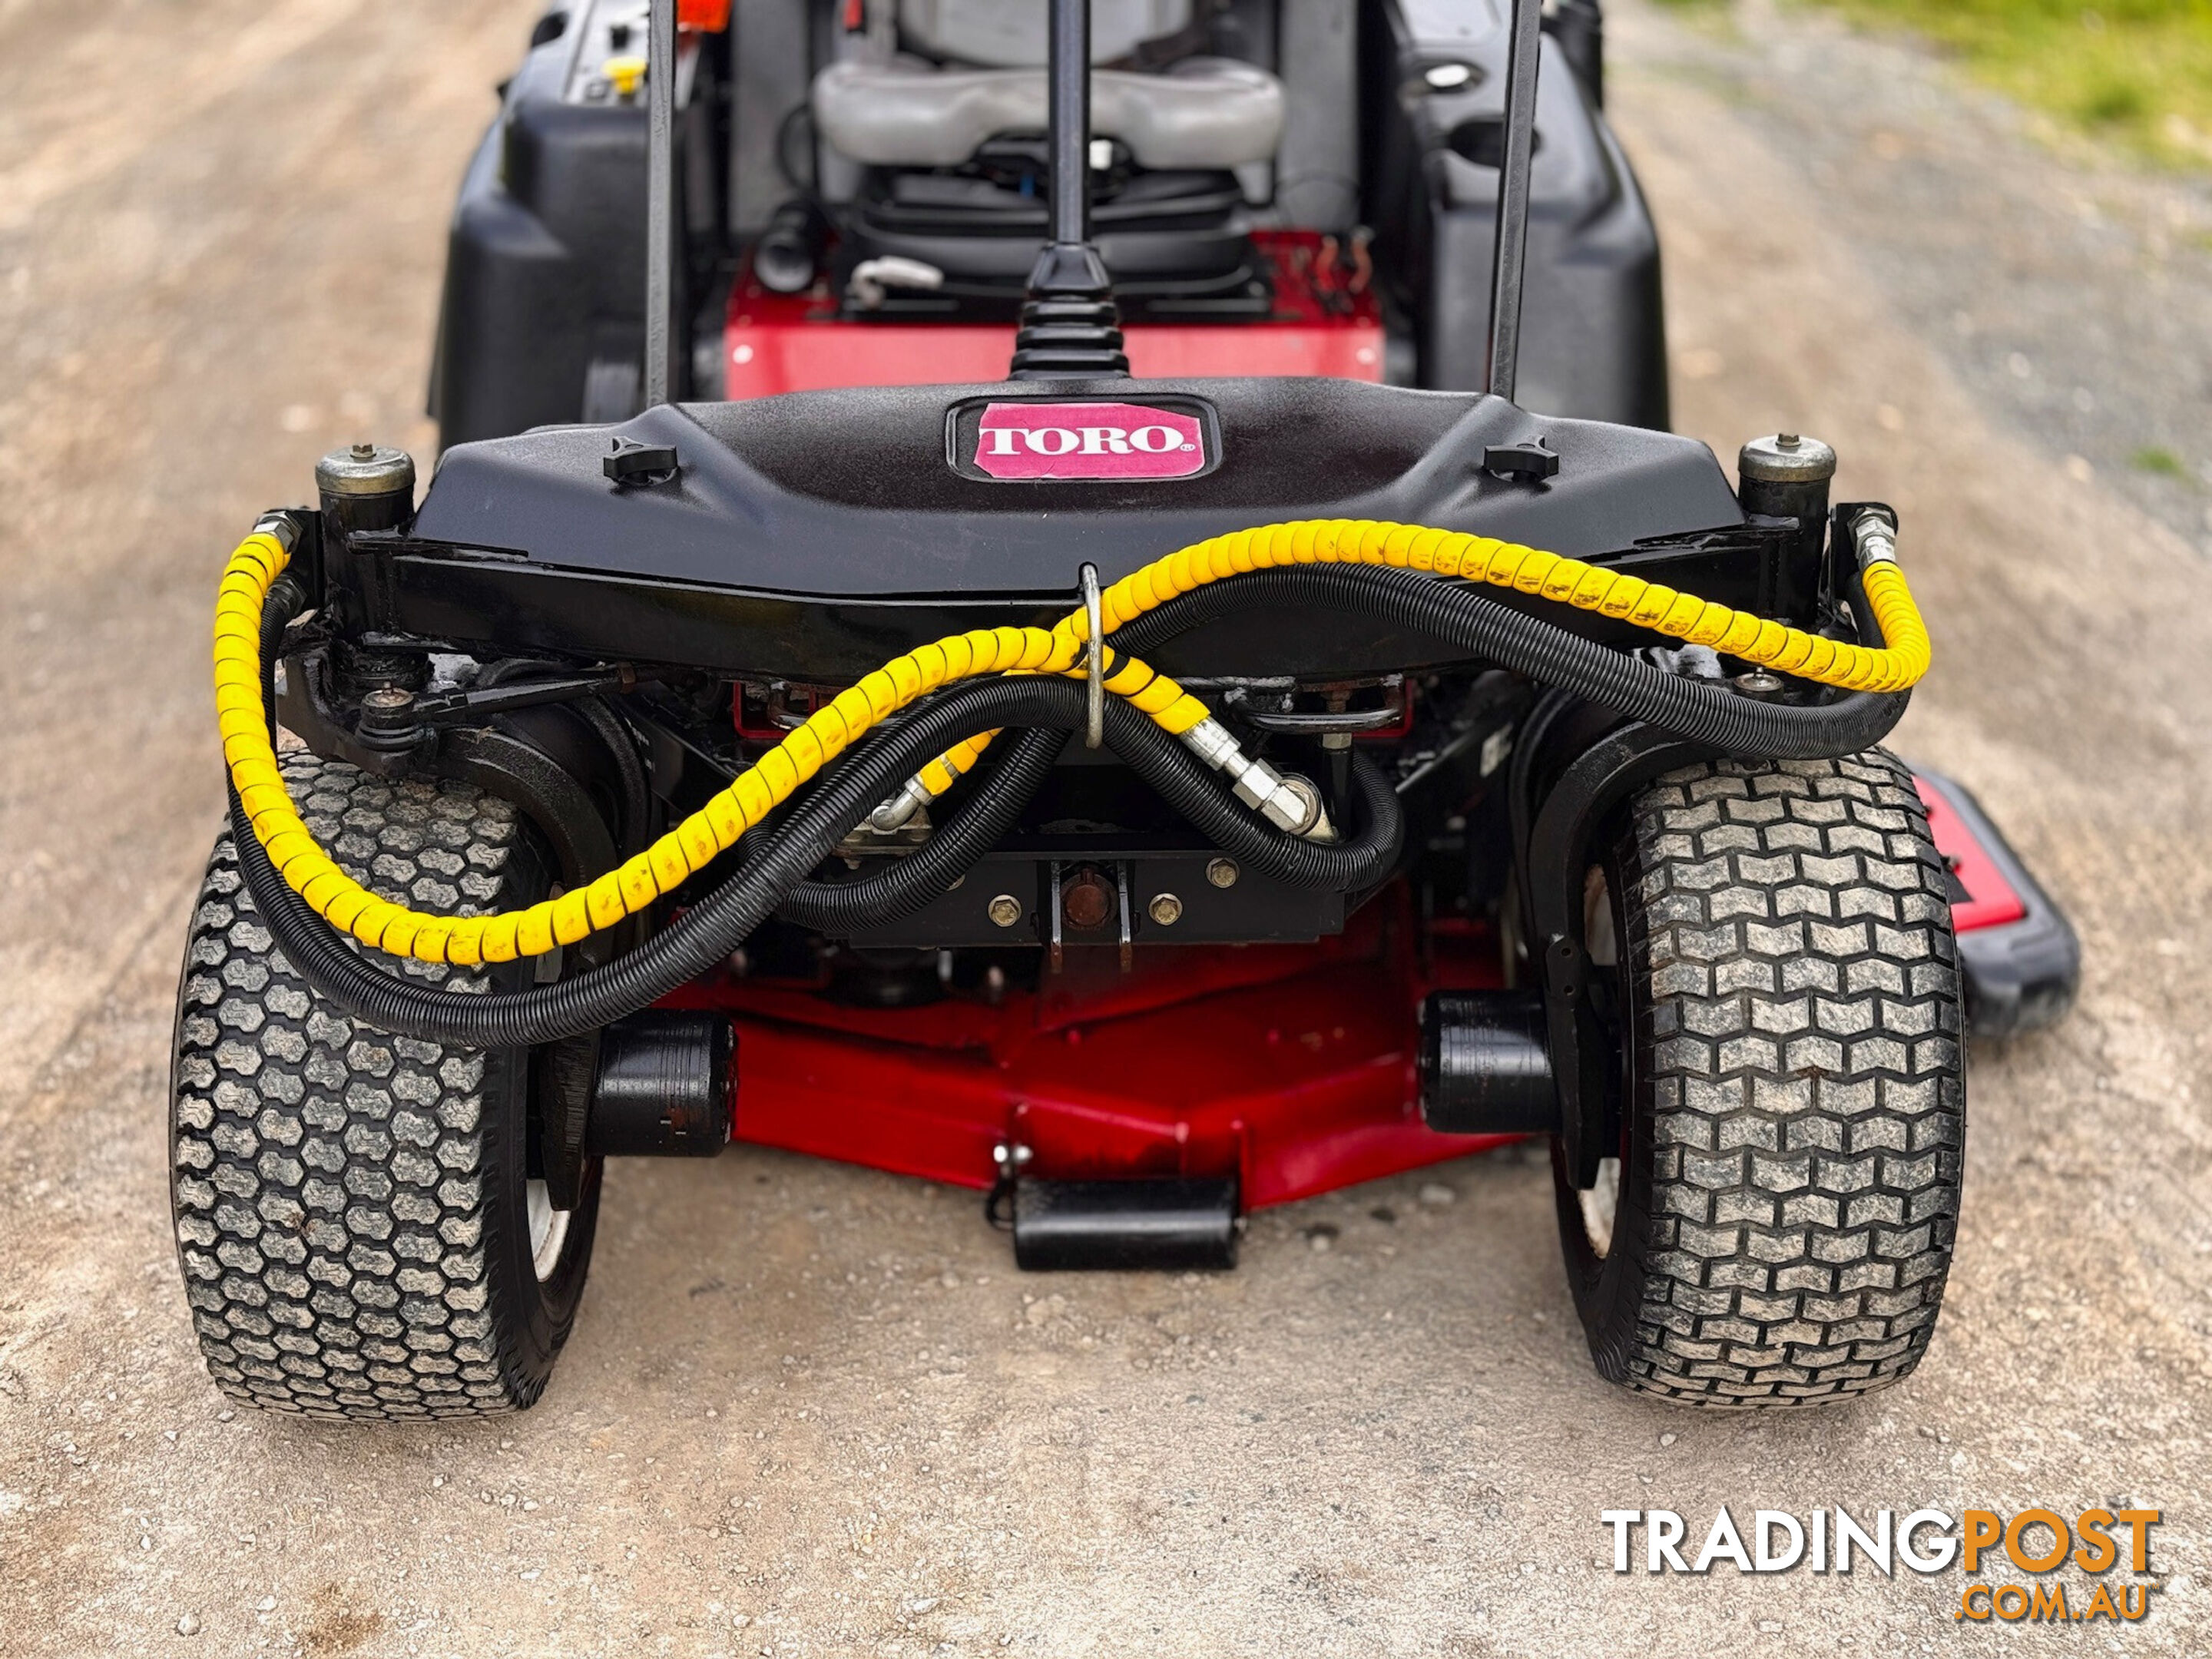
(692, 844)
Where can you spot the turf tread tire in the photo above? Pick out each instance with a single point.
(345, 1199)
(1796, 1094)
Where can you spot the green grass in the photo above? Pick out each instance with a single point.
(2136, 71)
(2164, 462)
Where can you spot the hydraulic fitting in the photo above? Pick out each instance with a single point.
(1873, 538)
(893, 813)
(1287, 802)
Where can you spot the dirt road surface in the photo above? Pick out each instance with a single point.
(812, 1410)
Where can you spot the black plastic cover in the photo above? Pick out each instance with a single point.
(854, 502)
(2020, 975)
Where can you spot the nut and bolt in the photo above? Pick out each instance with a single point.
(1165, 908)
(1759, 684)
(1004, 910)
(1222, 872)
(388, 720)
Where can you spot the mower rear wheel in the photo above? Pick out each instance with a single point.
(359, 1228)
(1778, 1225)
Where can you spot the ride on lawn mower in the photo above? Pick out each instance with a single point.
(1101, 696)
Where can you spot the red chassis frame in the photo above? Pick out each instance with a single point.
(1291, 1066)
(1325, 322)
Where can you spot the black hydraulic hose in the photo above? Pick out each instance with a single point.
(839, 799)
(1171, 769)
(996, 802)
(515, 1019)
(1703, 710)
(851, 787)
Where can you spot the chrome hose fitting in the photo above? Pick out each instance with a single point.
(1288, 802)
(1873, 538)
(893, 814)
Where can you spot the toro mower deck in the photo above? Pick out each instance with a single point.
(1099, 694)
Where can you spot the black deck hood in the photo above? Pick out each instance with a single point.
(874, 506)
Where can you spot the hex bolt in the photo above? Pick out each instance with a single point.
(1006, 909)
(1165, 909)
(1222, 872)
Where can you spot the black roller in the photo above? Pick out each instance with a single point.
(1486, 1064)
(663, 1089)
(1154, 1226)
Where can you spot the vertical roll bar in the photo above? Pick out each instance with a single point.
(1524, 50)
(660, 196)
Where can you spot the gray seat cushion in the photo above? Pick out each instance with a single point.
(1011, 33)
(1203, 113)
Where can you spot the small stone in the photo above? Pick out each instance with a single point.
(266, 1604)
(1770, 1627)
(1666, 1439)
(921, 1604)
(1435, 1193)
(226, 1415)
(189, 1625)
(950, 1279)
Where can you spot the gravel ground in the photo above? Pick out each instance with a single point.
(811, 1409)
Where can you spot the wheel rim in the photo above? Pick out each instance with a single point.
(1601, 941)
(1599, 1207)
(548, 1231)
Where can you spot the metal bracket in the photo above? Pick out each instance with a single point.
(1058, 944)
(1555, 853)
(1121, 893)
(1094, 705)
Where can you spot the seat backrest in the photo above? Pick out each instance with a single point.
(1013, 34)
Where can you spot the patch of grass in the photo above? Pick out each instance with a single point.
(2164, 462)
(2137, 71)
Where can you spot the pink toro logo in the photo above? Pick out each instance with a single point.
(1114, 441)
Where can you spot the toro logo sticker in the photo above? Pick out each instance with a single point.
(1107, 441)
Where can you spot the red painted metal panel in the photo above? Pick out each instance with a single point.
(1291, 1066)
(1991, 901)
(777, 343)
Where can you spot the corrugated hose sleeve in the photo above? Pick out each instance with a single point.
(277, 827)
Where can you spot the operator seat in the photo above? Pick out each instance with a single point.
(937, 111)
(983, 74)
